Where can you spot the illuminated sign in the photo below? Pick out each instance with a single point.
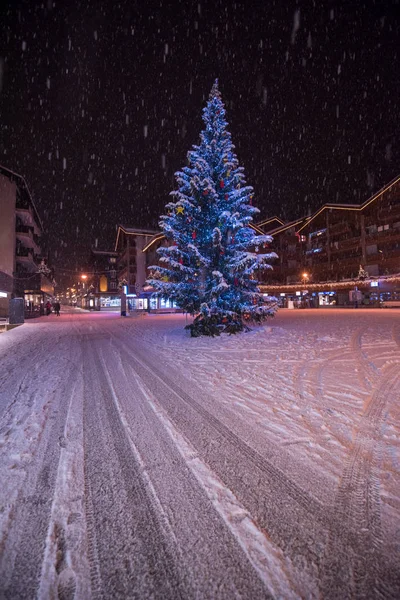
(3, 294)
(374, 283)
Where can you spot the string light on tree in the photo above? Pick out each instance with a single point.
(208, 267)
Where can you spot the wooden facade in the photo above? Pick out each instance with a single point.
(332, 244)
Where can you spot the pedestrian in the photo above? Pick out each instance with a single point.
(57, 308)
(48, 307)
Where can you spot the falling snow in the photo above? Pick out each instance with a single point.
(305, 87)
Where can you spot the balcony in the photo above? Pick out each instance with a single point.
(26, 234)
(27, 258)
(338, 228)
(387, 235)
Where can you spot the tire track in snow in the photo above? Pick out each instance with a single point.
(367, 373)
(269, 562)
(24, 542)
(129, 553)
(204, 547)
(353, 564)
(65, 570)
(396, 334)
(292, 518)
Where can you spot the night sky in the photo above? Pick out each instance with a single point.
(100, 102)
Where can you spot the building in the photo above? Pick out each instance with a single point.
(23, 270)
(134, 256)
(100, 285)
(343, 253)
(144, 297)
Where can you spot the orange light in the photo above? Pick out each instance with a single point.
(83, 276)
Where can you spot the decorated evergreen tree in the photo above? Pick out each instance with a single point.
(362, 273)
(209, 265)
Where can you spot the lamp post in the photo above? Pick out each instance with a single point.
(304, 278)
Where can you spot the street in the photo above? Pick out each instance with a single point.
(137, 462)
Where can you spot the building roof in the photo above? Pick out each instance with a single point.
(269, 222)
(20, 181)
(355, 207)
(134, 231)
(288, 225)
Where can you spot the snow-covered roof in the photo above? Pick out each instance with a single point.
(357, 207)
(269, 222)
(133, 231)
(137, 231)
(22, 183)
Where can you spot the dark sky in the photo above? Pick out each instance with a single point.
(100, 102)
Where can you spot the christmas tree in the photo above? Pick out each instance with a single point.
(362, 273)
(209, 266)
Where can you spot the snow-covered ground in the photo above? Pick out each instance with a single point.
(136, 461)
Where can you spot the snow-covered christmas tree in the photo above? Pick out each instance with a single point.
(209, 266)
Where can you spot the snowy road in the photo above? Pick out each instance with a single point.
(139, 463)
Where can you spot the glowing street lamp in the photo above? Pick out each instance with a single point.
(305, 277)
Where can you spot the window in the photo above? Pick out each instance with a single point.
(317, 233)
(386, 227)
(113, 260)
(372, 249)
(113, 273)
(380, 228)
(113, 285)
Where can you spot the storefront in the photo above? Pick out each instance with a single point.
(377, 292)
(102, 301)
(150, 302)
(327, 298)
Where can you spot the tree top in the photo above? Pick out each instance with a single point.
(215, 93)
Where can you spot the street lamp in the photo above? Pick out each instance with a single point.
(305, 277)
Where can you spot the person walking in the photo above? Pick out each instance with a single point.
(48, 307)
(57, 308)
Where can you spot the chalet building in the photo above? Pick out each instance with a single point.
(132, 260)
(342, 248)
(23, 272)
(102, 291)
(343, 254)
(135, 254)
